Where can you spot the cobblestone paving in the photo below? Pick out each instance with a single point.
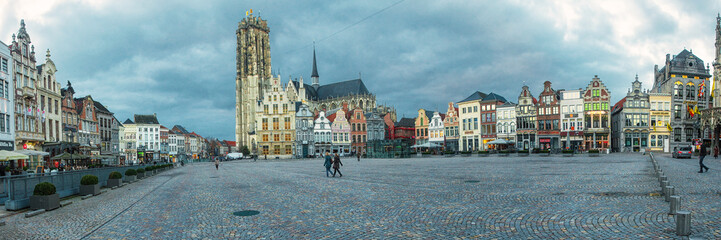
(700, 192)
(607, 197)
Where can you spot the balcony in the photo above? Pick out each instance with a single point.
(27, 92)
(32, 136)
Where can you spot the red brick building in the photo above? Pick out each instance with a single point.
(357, 121)
(548, 118)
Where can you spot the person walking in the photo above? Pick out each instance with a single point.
(715, 152)
(359, 157)
(702, 155)
(217, 162)
(336, 165)
(327, 164)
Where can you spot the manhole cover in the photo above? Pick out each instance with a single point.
(213, 177)
(246, 213)
(472, 181)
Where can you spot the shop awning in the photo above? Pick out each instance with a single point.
(33, 152)
(9, 155)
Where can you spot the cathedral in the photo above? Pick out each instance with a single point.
(257, 92)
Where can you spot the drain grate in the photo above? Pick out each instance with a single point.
(246, 213)
(472, 181)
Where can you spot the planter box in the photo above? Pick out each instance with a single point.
(89, 189)
(523, 154)
(48, 202)
(593, 154)
(130, 178)
(466, 154)
(483, 154)
(503, 154)
(114, 182)
(544, 154)
(141, 175)
(568, 154)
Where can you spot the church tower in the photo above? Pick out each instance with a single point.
(252, 76)
(314, 76)
(717, 66)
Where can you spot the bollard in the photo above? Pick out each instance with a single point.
(662, 178)
(683, 223)
(668, 193)
(675, 204)
(663, 186)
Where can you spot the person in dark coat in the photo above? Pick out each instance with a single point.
(327, 163)
(700, 159)
(715, 152)
(336, 165)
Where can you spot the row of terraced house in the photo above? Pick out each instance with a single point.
(42, 119)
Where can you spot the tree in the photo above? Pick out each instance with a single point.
(245, 150)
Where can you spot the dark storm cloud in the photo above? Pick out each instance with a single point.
(177, 58)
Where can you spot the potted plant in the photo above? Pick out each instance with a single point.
(567, 153)
(449, 153)
(503, 153)
(7, 171)
(141, 172)
(426, 154)
(44, 197)
(545, 153)
(130, 175)
(89, 185)
(115, 179)
(25, 170)
(483, 153)
(593, 153)
(148, 171)
(523, 153)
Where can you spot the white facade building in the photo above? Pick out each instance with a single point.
(7, 126)
(572, 119)
(436, 129)
(506, 122)
(322, 134)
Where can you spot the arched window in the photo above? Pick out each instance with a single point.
(678, 90)
(690, 91)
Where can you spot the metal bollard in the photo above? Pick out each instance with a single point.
(675, 204)
(683, 223)
(668, 193)
(663, 186)
(662, 178)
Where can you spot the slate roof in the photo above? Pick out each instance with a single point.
(474, 96)
(494, 97)
(340, 89)
(680, 60)
(128, 121)
(429, 114)
(146, 119)
(406, 122)
(507, 104)
(182, 129)
(310, 92)
(100, 106)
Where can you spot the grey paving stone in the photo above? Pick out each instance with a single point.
(607, 197)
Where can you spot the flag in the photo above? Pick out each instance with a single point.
(246, 13)
(668, 126)
(695, 109)
(654, 128)
(690, 111)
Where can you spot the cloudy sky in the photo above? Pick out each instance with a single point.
(177, 58)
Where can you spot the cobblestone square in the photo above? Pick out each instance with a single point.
(607, 197)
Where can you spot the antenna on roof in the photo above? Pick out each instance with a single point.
(359, 75)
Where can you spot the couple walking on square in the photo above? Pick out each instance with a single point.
(333, 161)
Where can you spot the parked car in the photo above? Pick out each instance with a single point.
(683, 152)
